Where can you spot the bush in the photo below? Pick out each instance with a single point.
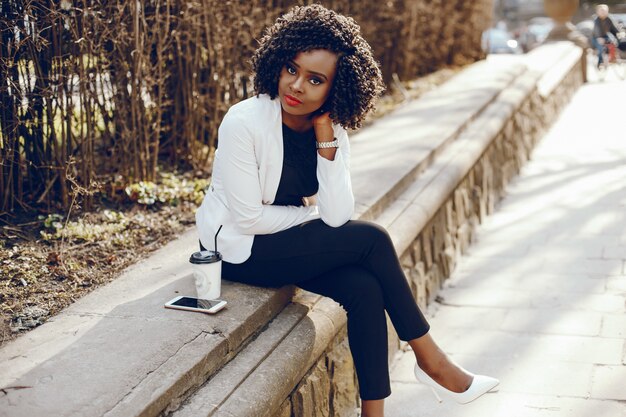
(98, 89)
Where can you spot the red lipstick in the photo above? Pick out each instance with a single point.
(292, 101)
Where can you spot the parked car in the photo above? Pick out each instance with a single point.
(535, 32)
(499, 41)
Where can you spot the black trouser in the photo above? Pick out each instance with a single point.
(357, 266)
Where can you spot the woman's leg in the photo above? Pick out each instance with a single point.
(360, 295)
(314, 249)
(373, 408)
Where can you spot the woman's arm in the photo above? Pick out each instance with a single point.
(334, 199)
(242, 184)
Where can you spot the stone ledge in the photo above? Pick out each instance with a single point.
(551, 71)
(139, 357)
(412, 210)
(391, 153)
(148, 360)
(259, 388)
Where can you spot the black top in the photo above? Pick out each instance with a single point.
(299, 176)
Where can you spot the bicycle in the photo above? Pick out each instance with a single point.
(614, 60)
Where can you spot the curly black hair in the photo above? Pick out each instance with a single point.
(358, 81)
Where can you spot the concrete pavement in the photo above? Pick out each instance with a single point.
(540, 299)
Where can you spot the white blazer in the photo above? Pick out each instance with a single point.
(246, 173)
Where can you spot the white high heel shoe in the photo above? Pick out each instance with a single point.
(480, 385)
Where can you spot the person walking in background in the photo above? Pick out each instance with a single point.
(282, 191)
(602, 26)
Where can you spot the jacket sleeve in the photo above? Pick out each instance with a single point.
(613, 27)
(334, 198)
(242, 184)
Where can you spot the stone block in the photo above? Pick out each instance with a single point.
(543, 286)
(479, 203)
(408, 274)
(616, 284)
(614, 325)
(450, 216)
(466, 198)
(530, 347)
(416, 250)
(608, 383)
(603, 267)
(417, 278)
(449, 240)
(552, 321)
(433, 283)
(474, 221)
(411, 281)
(447, 261)
(569, 379)
(439, 232)
(343, 383)
(427, 245)
(478, 297)
(406, 260)
(469, 317)
(311, 397)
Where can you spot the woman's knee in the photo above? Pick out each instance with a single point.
(369, 231)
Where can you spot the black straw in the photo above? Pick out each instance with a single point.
(217, 233)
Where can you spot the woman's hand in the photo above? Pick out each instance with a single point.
(323, 126)
(309, 201)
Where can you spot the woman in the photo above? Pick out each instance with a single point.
(281, 190)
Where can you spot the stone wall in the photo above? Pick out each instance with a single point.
(432, 256)
(330, 387)
(436, 250)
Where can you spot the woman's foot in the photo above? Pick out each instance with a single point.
(446, 373)
(432, 360)
(435, 369)
(480, 385)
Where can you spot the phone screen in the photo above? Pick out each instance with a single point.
(196, 303)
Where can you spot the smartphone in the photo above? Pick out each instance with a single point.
(196, 304)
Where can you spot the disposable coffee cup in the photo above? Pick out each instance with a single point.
(207, 272)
